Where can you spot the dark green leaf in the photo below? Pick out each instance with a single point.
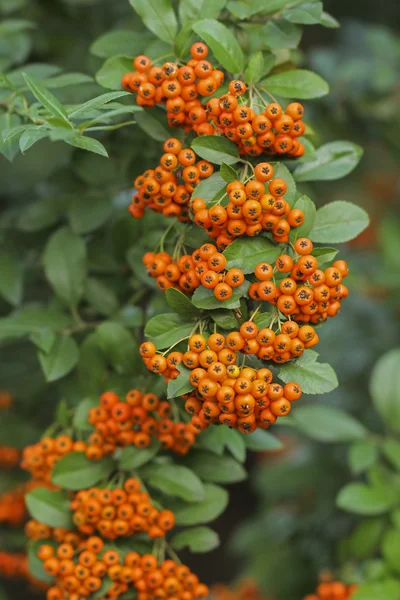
(281, 34)
(298, 83)
(308, 207)
(81, 414)
(328, 21)
(125, 43)
(306, 13)
(217, 469)
(223, 44)
(333, 161)
(327, 424)
(118, 345)
(211, 188)
(87, 213)
(361, 499)
(216, 149)
(312, 376)
(246, 253)
(255, 68)
(224, 318)
(191, 10)
(338, 222)
(261, 440)
(11, 279)
(60, 359)
(49, 507)
(174, 480)
(180, 303)
(112, 71)
(216, 439)
(65, 265)
(76, 472)
(385, 388)
(87, 143)
(324, 255)
(165, 330)
(281, 171)
(181, 385)
(362, 455)
(9, 148)
(47, 99)
(391, 450)
(228, 173)
(100, 296)
(212, 506)
(151, 126)
(197, 539)
(365, 538)
(132, 458)
(158, 16)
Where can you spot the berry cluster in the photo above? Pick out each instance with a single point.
(34, 530)
(272, 131)
(225, 393)
(39, 459)
(135, 422)
(119, 512)
(205, 266)
(250, 210)
(79, 572)
(308, 294)
(9, 457)
(15, 566)
(167, 188)
(12, 506)
(332, 590)
(178, 87)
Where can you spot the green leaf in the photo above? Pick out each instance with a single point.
(60, 359)
(191, 10)
(47, 99)
(49, 507)
(224, 318)
(261, 441)
(391, 549)
(89, 212)
(281, 171)
(361, 499)
(328, 21)
(43, 339)
(118, 346)
(223, 44)
(362, 455)
(11, 279)
(308, 207)
(333, 161)
(158, 16)
(181, 304)
(181, 385)
(132, 458)
(121, 42)
(391, 450)
(212, 506)
(165, 330)
(228, 173)
(112, 71)
(31, 136)
(196, 539)
(216, 439)
(9, 147)
(96, 103)
(327, 424)
(281, 34)
(153, 127)
(244, 10)
(298, 83)
(216, 149)
(65, 265)
(325, 255)
(306, 13)
(184, 40)
(174, 480)
(87, 143)
(246, 253)
(81, 414)
(338, 222)
(204, 298)
(67, 80)
(312, 376)
(387, 588)
(365, 538)
(211, 188)
(255, 68)
(214, 468)
(76, 472)
(385, 388)
(100, 296)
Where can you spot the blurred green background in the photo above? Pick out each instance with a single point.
(281, 527)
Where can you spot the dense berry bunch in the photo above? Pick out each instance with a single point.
(9, 457)
(307, 294)
(225, 393)
(135, 422)
(178, 87)
(205, 266)
(35, 530)
(252, 208)
(80, 571)
(39, 459)
(119, 512)
(167, 188)
(333, 590)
